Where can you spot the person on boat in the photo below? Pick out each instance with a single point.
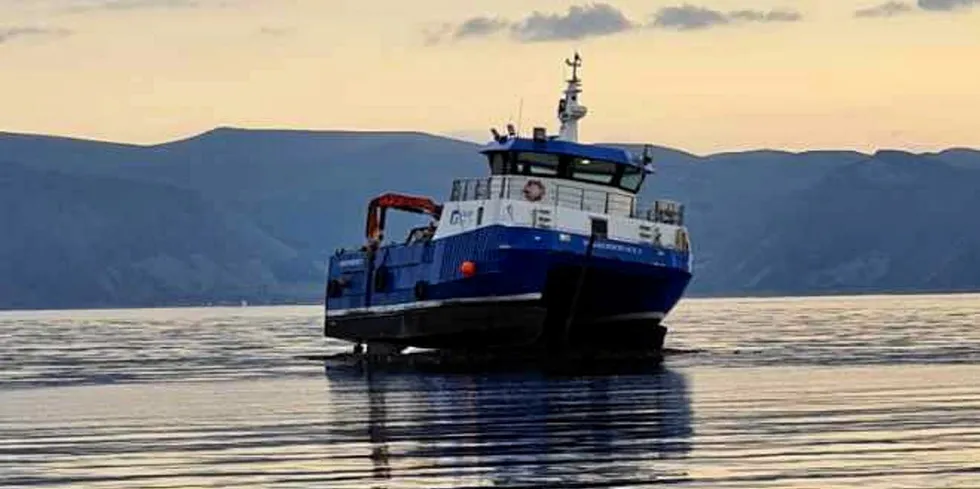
(417, 235)
(430, 231)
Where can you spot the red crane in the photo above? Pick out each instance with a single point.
(378, 207)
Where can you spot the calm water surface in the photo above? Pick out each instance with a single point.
(831, 392)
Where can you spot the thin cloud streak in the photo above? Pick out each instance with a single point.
(689, 17)
(95, 5)
(127, 5)
(11, 34)
(598, 19)
(887, 9)
(143, 4)
(479, 27)
(770, 16)
(893, 8)
(946, 5)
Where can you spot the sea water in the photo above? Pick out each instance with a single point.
(866, 392)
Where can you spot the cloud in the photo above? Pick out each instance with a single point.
(88, 5)
(887, 9)
(893, 7)
(141, 4)
(479, 27)
(598, 19)
(578, 23)
(123, 5)
(946, 5)
(691, 17)
(10, 34)
(688, 17)
(435, 35)
(770, 16)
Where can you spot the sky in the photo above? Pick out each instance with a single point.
(699, 75)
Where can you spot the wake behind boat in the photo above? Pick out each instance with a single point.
(549, 253)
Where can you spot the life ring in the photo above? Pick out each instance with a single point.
(533, 190)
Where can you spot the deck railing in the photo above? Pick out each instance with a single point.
(567, 196)
(471, 189)
(666, 212)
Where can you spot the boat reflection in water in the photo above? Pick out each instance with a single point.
(465, 430)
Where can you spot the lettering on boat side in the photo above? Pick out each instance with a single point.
(619, 247)
(354, 262)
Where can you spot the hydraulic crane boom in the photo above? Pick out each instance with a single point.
(378, 207)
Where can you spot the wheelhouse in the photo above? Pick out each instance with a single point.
(609, 167)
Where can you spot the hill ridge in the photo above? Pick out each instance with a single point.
(242, 213)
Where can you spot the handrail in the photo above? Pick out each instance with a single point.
(663, 211)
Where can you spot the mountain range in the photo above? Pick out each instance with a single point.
(235, 214)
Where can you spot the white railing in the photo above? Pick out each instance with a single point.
(472, 189)
(664, 211)
(568, 196)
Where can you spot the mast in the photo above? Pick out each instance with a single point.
(569, 110)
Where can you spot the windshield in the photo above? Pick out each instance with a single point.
(569, 167)
(539, 163)
(597, 171)
(632, 179)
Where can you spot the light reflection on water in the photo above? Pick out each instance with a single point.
(907, 426)
(802, 393)
(348, 430)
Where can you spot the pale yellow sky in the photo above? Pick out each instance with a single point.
(166, 69)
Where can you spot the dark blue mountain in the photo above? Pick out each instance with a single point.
(252, 215)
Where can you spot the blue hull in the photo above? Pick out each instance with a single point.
(416, 294)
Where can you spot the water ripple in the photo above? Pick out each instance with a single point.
(188, 345)
(796, 393)
(905, 426)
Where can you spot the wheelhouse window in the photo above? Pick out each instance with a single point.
(596, 171)
(632, 178)
(575, 168)
(545, 164)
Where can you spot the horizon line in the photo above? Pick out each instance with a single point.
(457, 138)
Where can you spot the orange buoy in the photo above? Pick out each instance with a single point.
(468, 269)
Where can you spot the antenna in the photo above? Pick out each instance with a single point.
(574, 63)
(569, 108)
(520, 115)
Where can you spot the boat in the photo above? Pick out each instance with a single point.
(549, 253)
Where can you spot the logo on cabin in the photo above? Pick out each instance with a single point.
(533, 190)
(461, 217)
